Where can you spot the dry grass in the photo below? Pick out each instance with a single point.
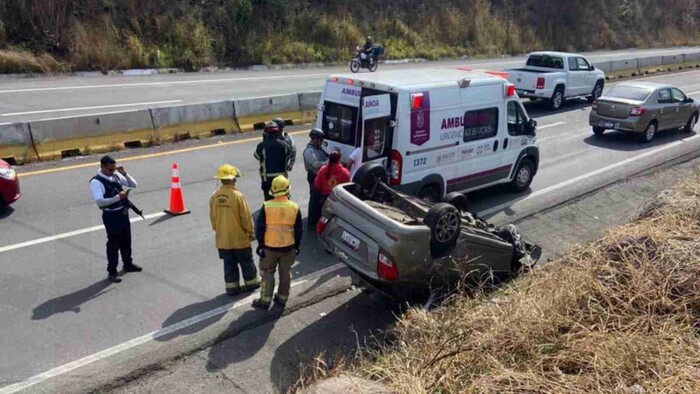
(21, 61)
(620, 315)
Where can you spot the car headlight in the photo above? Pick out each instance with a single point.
(7, 173)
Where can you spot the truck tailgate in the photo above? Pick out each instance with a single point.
(524, 79)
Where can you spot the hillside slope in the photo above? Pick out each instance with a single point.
(52, 35)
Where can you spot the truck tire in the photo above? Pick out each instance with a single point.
(458, 200)
(523, 176)
(445, 223)
(557, 99)
(597, 91)
(366, 179)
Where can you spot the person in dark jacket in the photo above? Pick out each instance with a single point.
(273, 153)
(314, 158)
(278, 230)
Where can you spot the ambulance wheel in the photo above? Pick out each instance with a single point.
(445, 223)
(457, 199)
(523, 176)
(366, 179)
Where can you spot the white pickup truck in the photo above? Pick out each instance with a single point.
(556, 76)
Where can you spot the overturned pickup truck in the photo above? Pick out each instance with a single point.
(404, 246)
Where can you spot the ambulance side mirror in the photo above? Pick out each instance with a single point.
(530, 127)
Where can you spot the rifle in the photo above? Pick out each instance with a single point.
(131, 205)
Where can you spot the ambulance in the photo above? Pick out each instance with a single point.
(435, 131)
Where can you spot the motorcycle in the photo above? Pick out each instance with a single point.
(364, 60)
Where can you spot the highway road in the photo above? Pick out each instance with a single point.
(57, 307)
(41, 98)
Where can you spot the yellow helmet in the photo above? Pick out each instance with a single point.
(228, 172)
(280, 186)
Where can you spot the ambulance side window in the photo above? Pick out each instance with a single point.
(480, 124)
(516, 119)
(375, 138)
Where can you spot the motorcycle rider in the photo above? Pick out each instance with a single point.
(367, 48)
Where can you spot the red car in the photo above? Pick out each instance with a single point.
(9, 185)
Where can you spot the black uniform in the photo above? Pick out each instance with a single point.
(273, 153)
(116, 220)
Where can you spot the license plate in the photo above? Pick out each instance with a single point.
(609, 125)
(350, 240)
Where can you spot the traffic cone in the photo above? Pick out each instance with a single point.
(177, 203)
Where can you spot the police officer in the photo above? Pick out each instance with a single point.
(273, 153)
(278, 230)
(231, 220)
(290, 141)
(107, 189)
(314, 158)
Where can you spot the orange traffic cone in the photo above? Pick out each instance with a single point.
(177, 203)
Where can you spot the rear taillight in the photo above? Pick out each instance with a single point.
(595, 105)
(321, 225)
(396, 167)
(540, 83)
(637, 111)
(386, 269)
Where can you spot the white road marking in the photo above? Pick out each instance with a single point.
(586, 176)
(58, 371)
(550, 125)
(693, 93)
(170, 83)
(566, 156)
(89, 108)
(70, 234)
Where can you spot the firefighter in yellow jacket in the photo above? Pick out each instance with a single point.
(278, 230)
(233, 224)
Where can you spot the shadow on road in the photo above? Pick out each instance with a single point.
(160, 220)
(361, 321)
(70, 302)
(627, 142)
(541, 108)
(255, 327)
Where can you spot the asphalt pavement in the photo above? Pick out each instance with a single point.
(58, 309)
(51, 97)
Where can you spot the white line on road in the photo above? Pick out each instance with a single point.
(46, 111)
(170, 83)
(550, 125)
(586, 176)
(693, 93)
(70, 234)
(58, 371)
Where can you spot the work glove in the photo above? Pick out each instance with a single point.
(260, 252)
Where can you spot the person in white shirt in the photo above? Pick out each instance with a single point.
(355, 162)
(107, 189)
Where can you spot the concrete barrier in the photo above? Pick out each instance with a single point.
(16, 143)
(649, 62)
(194, 120)
(692, 58)
(63, 137)
(252, 112)
(673, 59)
(628, 64)
(308, 106)
(604, 66)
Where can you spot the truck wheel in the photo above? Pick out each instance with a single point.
(557, 99)
(444, 221)
(429, 194)
(523, 176)
(649, 133)
(597, 92)
(366, 179)
(598, 130)
(458, 200)
(690, 126)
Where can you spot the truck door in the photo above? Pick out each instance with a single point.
(377, 128)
